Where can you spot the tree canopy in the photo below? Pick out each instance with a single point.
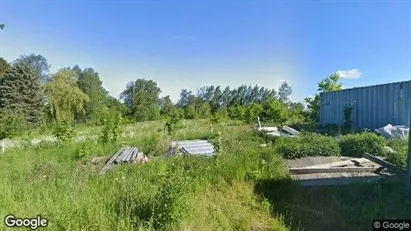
(66, 98)
(39, 65)
(330, 83)
(20, 92)
(75, 94)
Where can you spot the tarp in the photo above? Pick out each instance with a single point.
(390, 131)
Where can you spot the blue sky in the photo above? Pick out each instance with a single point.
(189, 44)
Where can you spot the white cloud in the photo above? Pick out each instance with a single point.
(350, 74)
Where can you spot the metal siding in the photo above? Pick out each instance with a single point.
(195, 147)
(373, 106)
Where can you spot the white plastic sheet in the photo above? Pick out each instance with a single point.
(390, 131)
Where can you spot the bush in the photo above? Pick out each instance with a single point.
(219, 117)
(274, 111)
(356, 145)
(64, 132)
(112, 129)
(175, 121)
(12, 124)
(332, 129)
(304, 126)
(307, 145)
(399, 158)
(172, 201)
(85, 150)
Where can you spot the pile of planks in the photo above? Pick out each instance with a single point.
(125, 155)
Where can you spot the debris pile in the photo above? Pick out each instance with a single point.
(390, 131)
(318, 171)
(192, 147)
(286, 131)
(124, 156)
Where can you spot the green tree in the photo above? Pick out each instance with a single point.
(327, 84)
(65, 97)
(39, 65)
(174, 120)
(21, 93)
(114, 105)
(275, 111)
(167, 106)
(284, 92)
(216, 100)
(89, 82)
(190, 112)
(253, 111)
(237, 112)
(142, 97)
(4, 66)
(296, 113)
(203, 109)
(330, 83)
(184, 98)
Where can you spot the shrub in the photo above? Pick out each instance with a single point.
(332, 129)
(12, 124)
(171, 203)
(219, 117)
(307, 145)
(174, 122)
(399, 158)
(64, 132)
(274, 111)
(304, 126)
(218, 142)
(154, 144)
(356, 145)
(85, 150)
(112, 129)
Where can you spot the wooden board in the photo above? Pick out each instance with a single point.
(331, 170)
(381, 162)
(110, 163)
(340, 163)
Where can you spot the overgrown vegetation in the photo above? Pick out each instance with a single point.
(366, 142)
(112, 129)
(64, 132)
(307, 145)
(399, 157)
(245, 188)
(347, 127)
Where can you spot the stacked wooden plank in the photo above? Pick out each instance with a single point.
(125, 155)
(316, 171)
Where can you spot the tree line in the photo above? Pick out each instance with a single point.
(31, 96)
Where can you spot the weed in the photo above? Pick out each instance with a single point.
(112, 129)
(64, 132)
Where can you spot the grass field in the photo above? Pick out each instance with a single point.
(246, 188)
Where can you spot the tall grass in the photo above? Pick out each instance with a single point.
(167, 193)
(246, 187)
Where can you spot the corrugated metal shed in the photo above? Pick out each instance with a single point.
(373, 106)
(193, 147)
